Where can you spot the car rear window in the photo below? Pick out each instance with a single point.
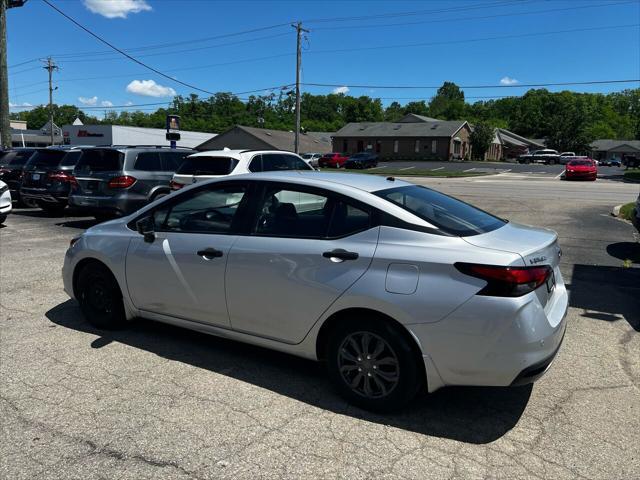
(448, 214)
(99, 160)
(581, 162)
(46, 158)
(269, 162)
(16, 158)
(171, 161)
(207, 166)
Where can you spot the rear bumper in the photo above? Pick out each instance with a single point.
(581, 175)
(492, 341)
(44, 195)
(5, 203)
(120, 205)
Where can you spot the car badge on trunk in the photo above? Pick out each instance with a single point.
(535, 260)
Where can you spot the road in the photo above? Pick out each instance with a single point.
(493, 167)
(157, 402)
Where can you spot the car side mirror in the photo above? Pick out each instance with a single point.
(145, 228)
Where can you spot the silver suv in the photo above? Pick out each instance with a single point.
(116, 181)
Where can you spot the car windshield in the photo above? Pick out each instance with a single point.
(207, 166)
(46, 158)
(99, 160)
(446, 213)
(588, 163)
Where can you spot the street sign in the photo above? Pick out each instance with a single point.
(173, 123)
(173, 136)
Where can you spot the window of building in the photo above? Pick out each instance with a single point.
(345, 146)
(395, 146)
(434, 146)
(378, 146)
(456, 147)
(417, 146)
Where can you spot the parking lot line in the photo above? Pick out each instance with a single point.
(434, 169)
(559, 175)
(469, 170)
(407, 168)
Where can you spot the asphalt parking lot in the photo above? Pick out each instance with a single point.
(156, 402)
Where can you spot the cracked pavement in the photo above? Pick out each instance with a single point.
(158, 402)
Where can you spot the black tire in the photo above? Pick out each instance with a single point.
(158, 195)
(100, 297)
(2, 218)
(53, 209)
(406, 375)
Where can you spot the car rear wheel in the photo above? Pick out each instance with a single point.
(372, 365)
(2, 218)
(100, 298)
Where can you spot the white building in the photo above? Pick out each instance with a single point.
(121, 135)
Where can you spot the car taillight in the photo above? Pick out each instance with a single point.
(175, 185)
(506, 281)
(124, 181)
(3, 171)
(62, 177)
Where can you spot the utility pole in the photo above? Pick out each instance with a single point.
(299, 30)
(5, 126)
(50, 67)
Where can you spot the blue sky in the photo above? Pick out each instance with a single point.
(408, 43)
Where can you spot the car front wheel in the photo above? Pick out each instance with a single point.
(373, 365)
(100, 298)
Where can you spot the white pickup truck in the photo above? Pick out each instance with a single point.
(546, 156)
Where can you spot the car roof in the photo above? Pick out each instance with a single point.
(365, 182)
(237, 153)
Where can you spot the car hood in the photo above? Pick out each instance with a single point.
(536, 246)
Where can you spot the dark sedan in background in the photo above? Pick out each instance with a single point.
(362, 160)
(12, 164)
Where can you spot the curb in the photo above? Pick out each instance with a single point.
(615, 211)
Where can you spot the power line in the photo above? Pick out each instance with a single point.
(425, 87)
(457, 8)
(124, 53)
(484, 17)
(472, 40)
(77, 58)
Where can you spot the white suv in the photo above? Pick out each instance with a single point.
(218, 163)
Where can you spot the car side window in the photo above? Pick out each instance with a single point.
(348, 219)
(269, 162)
(171, 161)
(148, 161)
(210, 210)
(300, 214)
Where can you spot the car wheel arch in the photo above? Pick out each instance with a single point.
(353, 313)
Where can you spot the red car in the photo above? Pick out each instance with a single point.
(584, 168)
(333, 160)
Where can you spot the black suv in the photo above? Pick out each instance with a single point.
(48, 177)
(12, 164)
(117, 181)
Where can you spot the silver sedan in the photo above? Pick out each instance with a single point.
(396, 287)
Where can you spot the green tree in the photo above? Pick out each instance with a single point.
(481, 139)
(448, 103)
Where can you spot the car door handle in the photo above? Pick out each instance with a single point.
(210, 253)
(340, 254)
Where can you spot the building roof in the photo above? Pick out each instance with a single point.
(605, 145)
(414, 117)
(439, 128)
(507, 137)
(272, 139)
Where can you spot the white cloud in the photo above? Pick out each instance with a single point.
(106, 103)
(343, 90)
(88, 100)
(508, 81)
(20, 105)
(129, 103)
(149, 88)
(117, 8)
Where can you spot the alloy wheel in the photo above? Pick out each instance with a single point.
(368, 365)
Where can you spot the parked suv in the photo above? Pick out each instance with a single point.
(48, 177)
(218, 163)
(12, 164)
(116, 181)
